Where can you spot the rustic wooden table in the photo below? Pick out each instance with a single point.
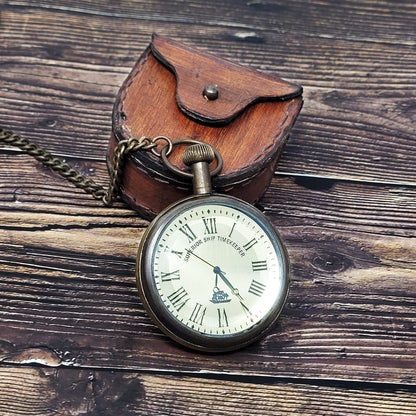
(74, 337)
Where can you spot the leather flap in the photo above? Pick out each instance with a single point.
(238, 86)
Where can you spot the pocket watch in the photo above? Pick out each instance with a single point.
(212, 271)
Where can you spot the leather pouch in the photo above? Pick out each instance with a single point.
(248, 122)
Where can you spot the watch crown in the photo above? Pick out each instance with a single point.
(200, 152)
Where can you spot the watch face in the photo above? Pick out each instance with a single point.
(213, 273)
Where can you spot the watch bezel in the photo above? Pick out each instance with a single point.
(158, 310)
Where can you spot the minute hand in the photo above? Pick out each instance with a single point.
(218, 271)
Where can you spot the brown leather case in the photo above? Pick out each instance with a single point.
(248, 123)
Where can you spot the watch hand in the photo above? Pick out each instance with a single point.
(236, 292)
(245, 308)
(200, 258)
(219, 272)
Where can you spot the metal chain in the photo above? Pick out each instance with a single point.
(123, 148)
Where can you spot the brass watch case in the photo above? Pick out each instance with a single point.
(157, 309)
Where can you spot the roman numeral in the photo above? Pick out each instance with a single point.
(179, 298)
(178, 253)
(256, 288)
(222, 317)
(198, 314)
(258, 266)
(250, 244)
(210, 225)
(232, 229)
(188, 232)
(167, 277)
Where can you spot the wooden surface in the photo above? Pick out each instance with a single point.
(74, 338)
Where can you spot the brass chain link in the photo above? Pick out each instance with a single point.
(123, 148)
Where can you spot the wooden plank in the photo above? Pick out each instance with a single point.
(357, 118)
(67, 282)
(74, 337)
(253, 15)
(49, 391)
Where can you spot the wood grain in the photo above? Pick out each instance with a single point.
(351, 307)
(74, 337)
(47, 391)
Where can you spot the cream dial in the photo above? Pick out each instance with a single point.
(218, 272)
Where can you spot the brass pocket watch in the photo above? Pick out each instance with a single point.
(211, 270)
